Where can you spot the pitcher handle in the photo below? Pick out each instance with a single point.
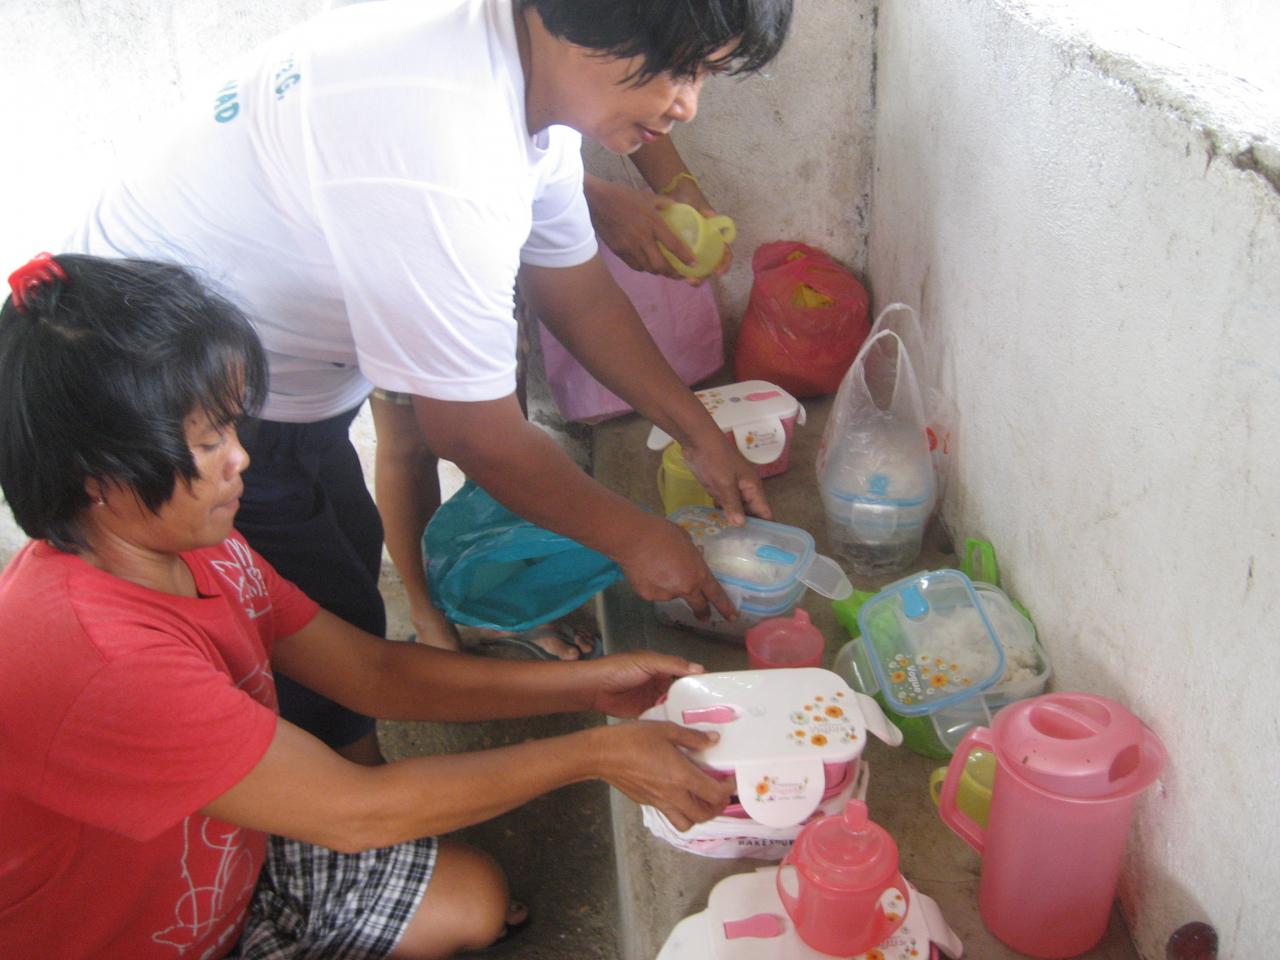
(727, 229)
(964, 826)
(787, 877)
(936, 779)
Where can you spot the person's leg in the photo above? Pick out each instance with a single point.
(466, 906)
(406, 484)
(412, 901)
(307, 510)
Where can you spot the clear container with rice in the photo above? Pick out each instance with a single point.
(942, 654)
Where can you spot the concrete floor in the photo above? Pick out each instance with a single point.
(557, 851)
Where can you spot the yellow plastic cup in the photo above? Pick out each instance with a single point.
(705, 236)
(973, 796)
(677, 484)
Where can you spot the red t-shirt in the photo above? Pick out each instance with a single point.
(123, 711)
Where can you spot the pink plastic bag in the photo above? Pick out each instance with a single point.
(683, 321)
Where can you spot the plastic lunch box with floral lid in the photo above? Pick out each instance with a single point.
(764, 567)
(759, 417)
(789, 737)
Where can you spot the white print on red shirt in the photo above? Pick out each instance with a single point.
(205, 904)
(245, 577)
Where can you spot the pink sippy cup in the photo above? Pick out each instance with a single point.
(1068, 769)
(785, 642)
(840, 883)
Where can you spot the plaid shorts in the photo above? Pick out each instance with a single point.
(312, 902)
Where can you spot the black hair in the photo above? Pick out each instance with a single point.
(671, 36)
(98, 373)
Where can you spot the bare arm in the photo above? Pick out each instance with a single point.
(587, 312)
(660, 163)
(406, 681)
(524, 469)
(302, 789)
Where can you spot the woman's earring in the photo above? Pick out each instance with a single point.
(100, 502)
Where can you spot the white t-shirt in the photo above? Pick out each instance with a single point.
(365, 187)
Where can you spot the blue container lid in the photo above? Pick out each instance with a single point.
(930, 642)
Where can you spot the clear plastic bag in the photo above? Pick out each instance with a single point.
(874, 467)
(939, 408)
(487, 567)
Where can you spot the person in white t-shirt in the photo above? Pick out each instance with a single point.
(367, 187)
(406, 473)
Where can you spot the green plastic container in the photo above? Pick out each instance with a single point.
(851, 664)
(978, 563)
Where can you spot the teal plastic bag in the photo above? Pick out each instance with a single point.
(488, 567)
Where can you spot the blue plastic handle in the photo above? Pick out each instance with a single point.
(914, 605)
(767, 551)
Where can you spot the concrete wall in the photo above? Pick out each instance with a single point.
(1094, 246)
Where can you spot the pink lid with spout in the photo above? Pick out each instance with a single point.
(1077, 745)
(846, 851)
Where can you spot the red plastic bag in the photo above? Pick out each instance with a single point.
(683, 321)
(805, 320)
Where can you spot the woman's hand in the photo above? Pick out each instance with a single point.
(646, 760)
(662, 563)
(630, 223)
(627, 684)
(727, 475)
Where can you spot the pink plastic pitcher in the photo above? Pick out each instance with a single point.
(840, 883)
(1068, 767)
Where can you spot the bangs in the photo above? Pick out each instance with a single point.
(753, 31)
(678, 37)
(229, 387)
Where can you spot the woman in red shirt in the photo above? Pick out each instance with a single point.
(154, 804)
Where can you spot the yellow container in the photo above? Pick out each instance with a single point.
(677, 484)
(706, 237)
(974, 794)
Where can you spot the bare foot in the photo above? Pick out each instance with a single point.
(558, 640)
(433, 629)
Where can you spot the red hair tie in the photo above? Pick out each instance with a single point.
(39, 270)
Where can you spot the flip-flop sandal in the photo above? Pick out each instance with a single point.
(526, 640)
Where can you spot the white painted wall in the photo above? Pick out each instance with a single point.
(84, 78)
(1104, 285)
(82, 81)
